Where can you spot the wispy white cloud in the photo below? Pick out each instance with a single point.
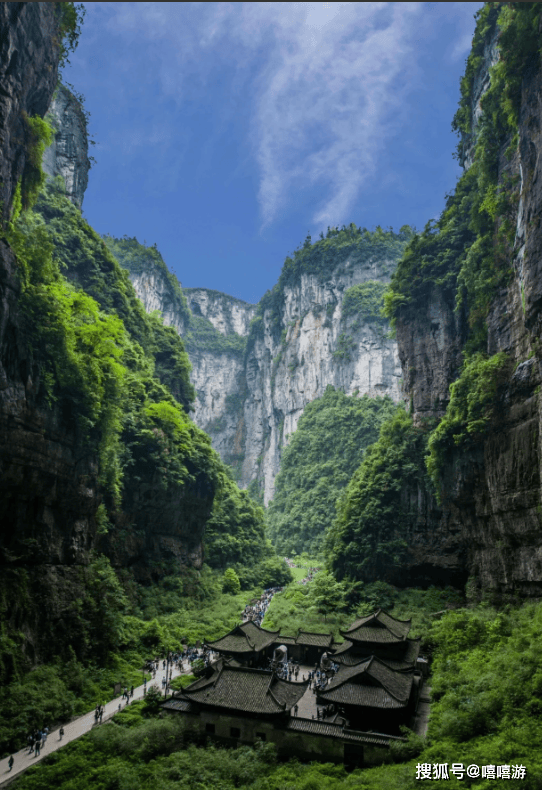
(326, 84)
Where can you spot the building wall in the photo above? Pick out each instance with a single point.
(305, 746)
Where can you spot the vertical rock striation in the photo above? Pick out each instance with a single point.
(254, 375)
(67, 155)
(28, 73)
(492, 489)
(48, 485)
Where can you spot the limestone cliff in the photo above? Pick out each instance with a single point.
(48, 485)
(255, 368)
(28, 75)
(226, 313)
(491, 488)
(67, 156)
(290, 362)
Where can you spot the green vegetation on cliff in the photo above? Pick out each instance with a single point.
(317, 464)
(138, 258)
(119, 381)
(368, 538)
(472, 407)
(202, 337)
(365, 301)
(379, 247)
(465, 256)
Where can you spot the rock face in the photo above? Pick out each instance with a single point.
(250, 399)
(492, 504)
(288, 366)
(226, 313)
(67, 156)
(48, 485)
(28, 75)
(157, 292)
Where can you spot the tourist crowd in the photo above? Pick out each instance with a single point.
(256, 609)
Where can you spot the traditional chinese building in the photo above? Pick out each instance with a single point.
(372, 696)
(380, 635)
(374, 692)
(306, 647)
(237, 705)
(247, 643)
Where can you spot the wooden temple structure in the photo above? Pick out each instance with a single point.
(379, 634)
(247, 643)
(375, 690)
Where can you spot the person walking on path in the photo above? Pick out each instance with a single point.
(10, 762)
(37, 746)
(61, 733)
(132, 691)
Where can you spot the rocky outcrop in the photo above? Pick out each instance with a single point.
(227, 314)
(157, 292)
(489, 57)
(67, 156)
(29, 58)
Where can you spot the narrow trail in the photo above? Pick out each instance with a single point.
(77, 727)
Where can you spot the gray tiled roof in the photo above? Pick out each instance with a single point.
(369, 683)
(379, 628)
(348, 656)
(314, 727)
(247, 690)
(311, 639)
(179, 704)
(246, 638)
(306, 638)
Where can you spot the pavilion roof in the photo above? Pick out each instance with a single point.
(370, 683)
(378, 628)
(348, 655)
(246, 690)
(307, 638)
(245, 638)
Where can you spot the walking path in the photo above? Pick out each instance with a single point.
(78, 727)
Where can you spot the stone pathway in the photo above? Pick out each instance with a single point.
(307, 703)
(76, 728)
(420, 721)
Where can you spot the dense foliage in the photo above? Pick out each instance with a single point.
(368, 538)
(235, 535)
(472, 407)
(317, 464)
(365, 301)
(482, 714)
(120, 382)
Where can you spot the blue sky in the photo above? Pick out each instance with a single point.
(226, 131)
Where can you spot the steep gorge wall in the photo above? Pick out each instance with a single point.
(250, 399)
(291, 363)
(492, 490)
(48, 485)
(67, 156)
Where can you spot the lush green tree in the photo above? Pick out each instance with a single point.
(368, 537)
(327, 594)
(231, 583)
(317, 464)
